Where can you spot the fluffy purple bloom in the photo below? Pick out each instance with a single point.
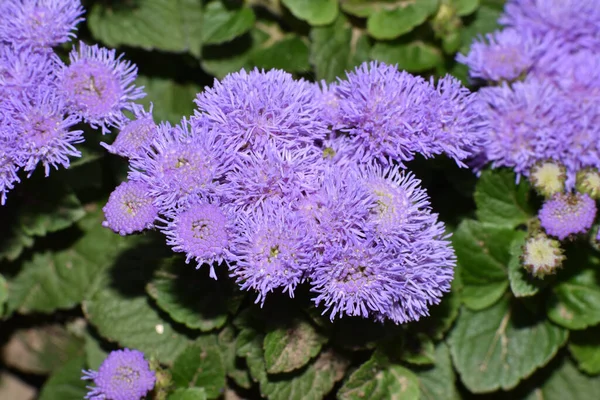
(130, 209)
(39, 23)
(577, 74)
(44, 131)
(272, 250)
(203, 231)
(25, 69)
(183, 162)
(256, 107)
(9, 166)
(134, 135)
(123, 375)
(504, 55)
(567, 214)
(99, 85)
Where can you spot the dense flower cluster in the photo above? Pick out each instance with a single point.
(42, 99)
(282, 181)
(543, 106)
(123, 375)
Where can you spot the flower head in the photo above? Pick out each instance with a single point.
(548, 178)
(203, 232)
(9, 166)
(124, 375)
(130, 209)
(25, 69)
(541, 255)
(588, 181)
(134, 135)
(99, 85)
(39, 23)
(567, 214)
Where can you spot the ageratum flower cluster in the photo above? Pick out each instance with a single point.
(282, 181)
(42, 99)
(544, 109)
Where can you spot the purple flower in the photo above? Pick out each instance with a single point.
(134, 135)
(130, 209)
(99, 85)
(44, 131)
(39, 23)
(567, 214)
(183, 162)
(203, 232)
(124, 375)
(253, 108)
(9, 166)
(25, 69)
(272, 250)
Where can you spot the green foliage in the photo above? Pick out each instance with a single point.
(522, 283)
(66, 383)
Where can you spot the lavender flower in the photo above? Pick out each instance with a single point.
(25, 69)
(9, 166)
(134, 135)
(567, 214)
(39, 23)
(124, 375)
(256, 107)
(130, 209)
(99, 85)
(203, 232)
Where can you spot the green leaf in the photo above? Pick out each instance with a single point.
(94, 353)
(522, 283)
(166, 25)
(585, 349)
(465, 7)
(201, 365)
(291, 346)
(223, 25)
(374, 381)
(190, 296)
(566, 382)
(397, 20)
(13, 241)
(188, 394)
(315, 12)
(415, 56)
(437, 382)
(66, 383)
(418, 349)
(500, 201)
(483, 21)
(336, 48)
(171, 100)
(61, 280)
(575, 304)
(235, 367)
(3, 294)
(483, 256)
(498, 347)
(290, 53)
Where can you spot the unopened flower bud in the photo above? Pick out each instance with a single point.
(541, 255)
(588, 181)
(548, 178)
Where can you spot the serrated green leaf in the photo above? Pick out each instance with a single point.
(315, 12)
(235, 367)
(575, 304)
(585, 349)
(171, 100)
(419, 350)
(464, 7)
(188, 394)
(290, 54)
(223, 25)
(190, 296)
(66, 383)
(336, 48)
(500, 201)
(483, 255)
(396, 20)
(522, 283)
(291, 346)
(166, 25)
(380, 382)
(201, 365)
(497, 347)
(415, 56)
(437, 382)
(563, 382)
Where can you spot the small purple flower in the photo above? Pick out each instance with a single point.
(134, 135)
(272, 250)
(39, 23)
(25, 69)
(99, 85)
(256, 107)
(124, 375)
(203, 232)
(9, 166)
(130, 209)
(567, 214)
